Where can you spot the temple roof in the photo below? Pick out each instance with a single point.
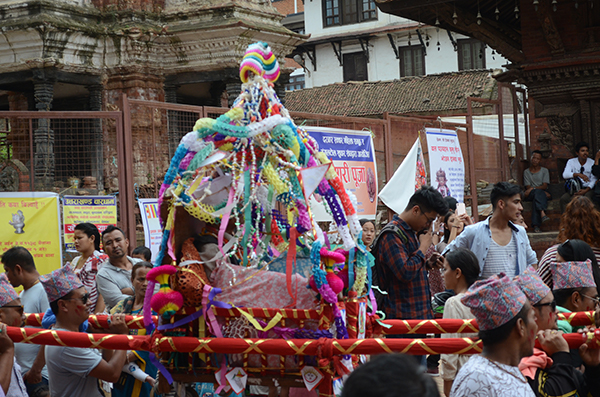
(440, 93)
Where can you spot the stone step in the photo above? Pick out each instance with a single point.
(540, 242)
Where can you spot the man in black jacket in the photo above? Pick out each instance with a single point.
(550, 371)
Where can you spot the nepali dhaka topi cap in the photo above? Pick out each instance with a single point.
(7, 292)
(532, 285)
(494, 301)
(572, 275)
(60, 282)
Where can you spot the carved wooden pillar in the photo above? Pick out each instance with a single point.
(280, 86)
(233, 87)
(97, 145)
(216, 92)
(43, 135)
(586, 122)
(171, 93)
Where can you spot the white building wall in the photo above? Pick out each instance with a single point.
(383, 64)
(313, 21)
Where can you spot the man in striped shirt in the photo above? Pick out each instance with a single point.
(499, 244)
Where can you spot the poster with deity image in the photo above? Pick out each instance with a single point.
(446, 165)
(31, 220)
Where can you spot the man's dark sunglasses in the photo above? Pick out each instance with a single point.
(18, 307)
(84, 298)
(551, 304)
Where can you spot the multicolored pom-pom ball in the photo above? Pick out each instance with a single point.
(260, 60)
(166, 301)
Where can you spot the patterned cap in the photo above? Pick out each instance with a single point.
(60, 282)
(494, 301)
(532, 285)
(7, 292)
(572, 274)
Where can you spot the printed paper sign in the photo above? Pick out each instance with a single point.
(446, 165)
(226, 388)
(353, 157)
(152, 226)
(237, 378)
(31, 220)
(311, 376)
(99, 210)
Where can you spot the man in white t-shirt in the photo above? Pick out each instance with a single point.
(20, 270)
(579, 168)
(507, 328)
(77, 371)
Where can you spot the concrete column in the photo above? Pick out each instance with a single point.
(43, 137)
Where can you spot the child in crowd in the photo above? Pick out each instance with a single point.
(142, 253)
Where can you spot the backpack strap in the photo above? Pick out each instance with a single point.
(390, 228)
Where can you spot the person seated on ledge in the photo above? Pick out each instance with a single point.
(580, 169)
(536, 179)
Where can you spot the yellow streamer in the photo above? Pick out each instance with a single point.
(255, 323)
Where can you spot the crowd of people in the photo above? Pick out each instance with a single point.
(93, 282)
(493, 275)
(430, 256)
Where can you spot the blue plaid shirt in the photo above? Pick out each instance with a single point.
(404, 275)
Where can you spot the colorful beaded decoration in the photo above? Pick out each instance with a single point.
(258, 151)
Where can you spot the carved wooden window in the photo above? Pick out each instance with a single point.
(355, 67)
(345, 12)
(412, 61)
(471, 54)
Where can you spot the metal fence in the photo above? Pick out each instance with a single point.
(67, 153)
(127, 152)
(500, 137)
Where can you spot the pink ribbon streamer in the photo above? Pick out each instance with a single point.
(225, 221)
(223, 382)
(209, 315)
(373, 301)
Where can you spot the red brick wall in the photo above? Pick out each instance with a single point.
(555, 162)
(19, 129)
(286, 7)
(137, 85)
